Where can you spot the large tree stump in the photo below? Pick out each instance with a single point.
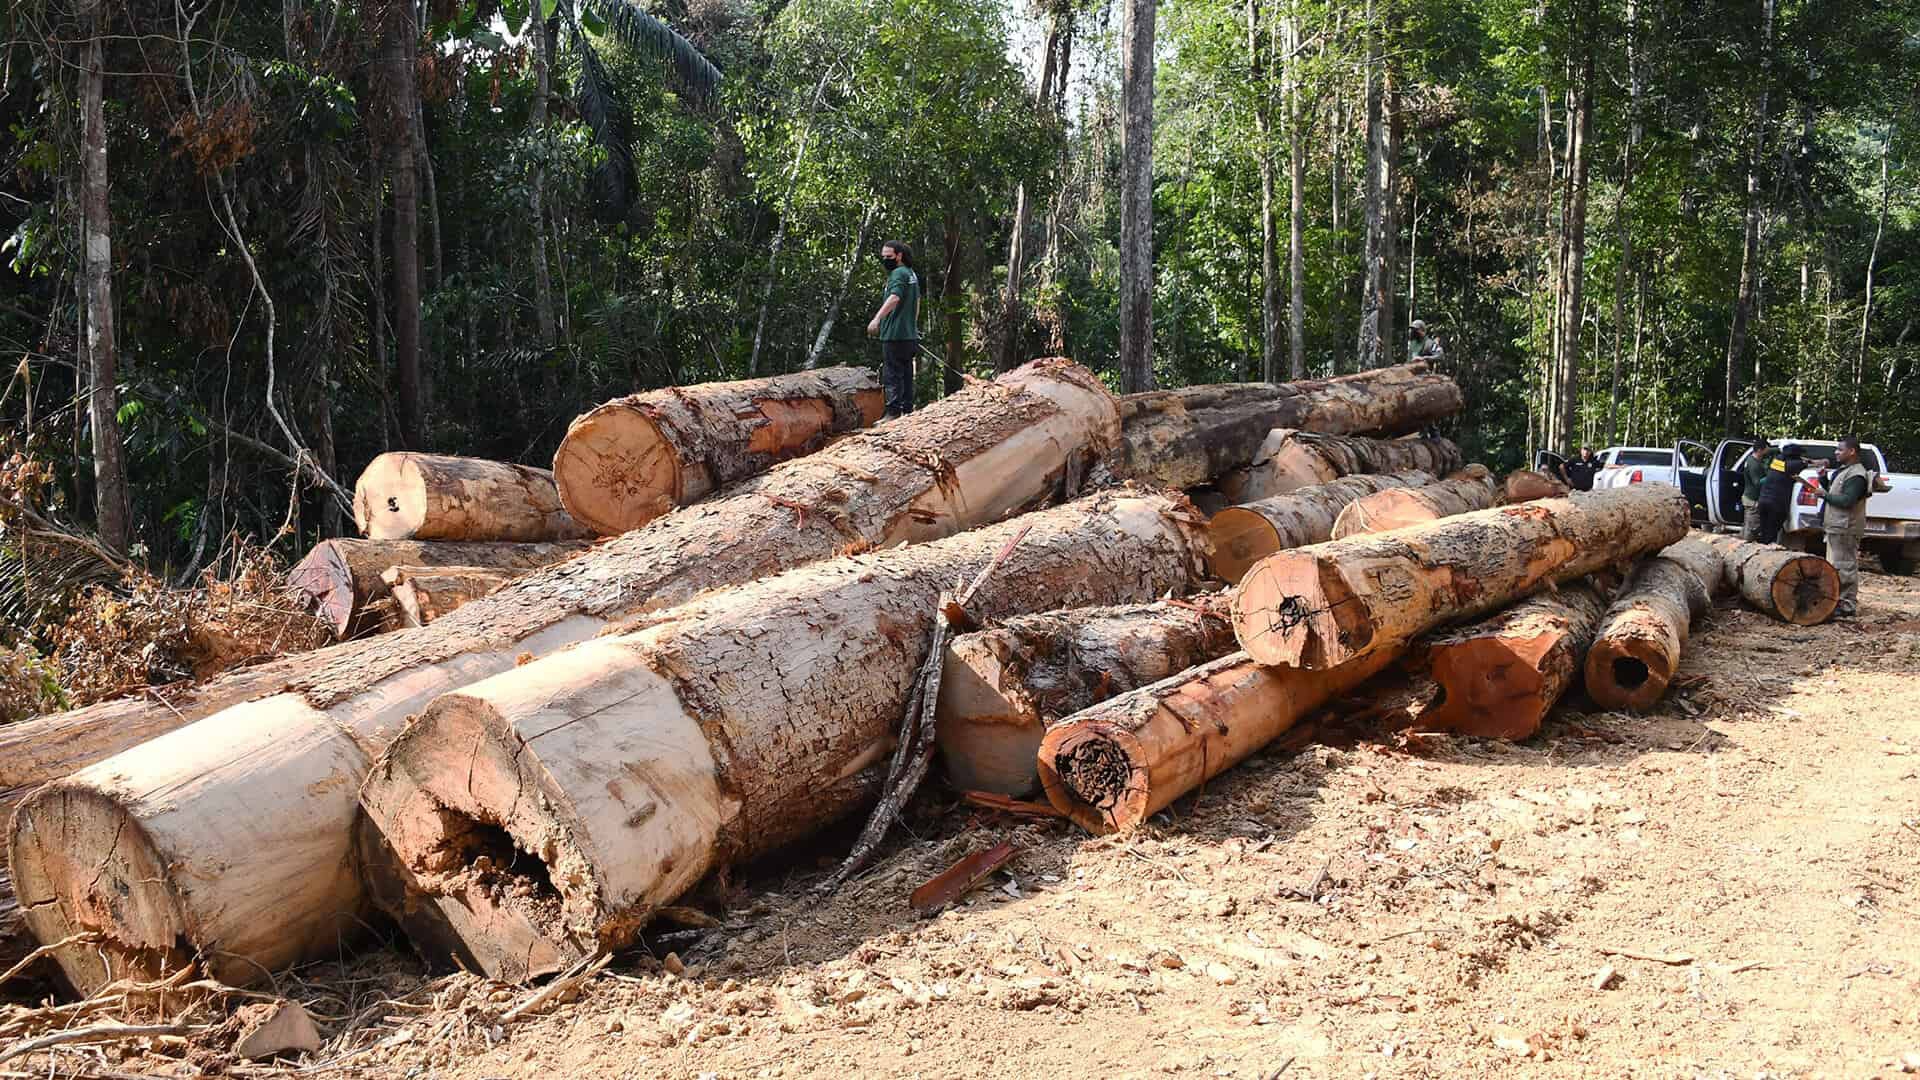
(1330, 604)
(250, 810)
(1499, 677)
(1000, 688)
(1789, 585)
(408, 496)
(1289, 460)
(1383, 511)
(546, 812)
(1637, 649)
(1243, 535)
(1112, 766)
(341, 578)
(634, 458)
(1187, 437)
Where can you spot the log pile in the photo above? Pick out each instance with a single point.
(1289, 460)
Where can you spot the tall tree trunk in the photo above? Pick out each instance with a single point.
(953, 302)
(401, 93)
(1576, 272)
(1136, 196)
(780, 229)
(1007, 348)
(1371, 350)
(112, 506)
(377, 289)
(1296, 208)
(542, 272)
(1624, 220)
(840, 298)
(1873, 259)
(1260, 60)
(424, 161)
(1737, 338)
(1392, 332)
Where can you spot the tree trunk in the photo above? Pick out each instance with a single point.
(401, 93)
(280, 831)
(1376, 288)
(1499, 677)
(1136, 196)
(1635, 88)
(1260, 65)
(740, 724)
(1296, 209)
(536, 199)
(113, 513)
(1289, 460)
(1576, 268)
(1184, 438)
(1243, 535)
(840, 298)
(953, 306)
(1737, 343)
(1637, 649)
(1000, 688)
(341, 578)
(1335, 603)
(1112, 766)
(1007, 347)
(634, 458)
(1788, 585)
(786, 214)
(424, 160)
(424, 593)
(1384, 511)
(1873, 259)
(405, 496)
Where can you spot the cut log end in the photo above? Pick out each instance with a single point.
(616, 471)
(1240, 538)
(1296, 610)
(1489, 688)
(1631, 672)
(1806, 590)
(1092, 772)
(325, 578)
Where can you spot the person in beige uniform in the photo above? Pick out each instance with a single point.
(1846, 490)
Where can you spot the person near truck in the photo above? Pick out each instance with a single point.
(1754, 474)
(1846, 490)
(897, 325)
(1579, 472)
(1776, 492)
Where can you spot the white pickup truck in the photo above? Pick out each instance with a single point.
(1893, 515)
(1619, 466)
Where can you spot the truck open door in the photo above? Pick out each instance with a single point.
(1724, 481)
(1548, 462)
(1693, 474)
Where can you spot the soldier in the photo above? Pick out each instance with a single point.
(1753, 476)
(1776, 493)
(1846, 491)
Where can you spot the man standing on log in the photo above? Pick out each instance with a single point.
(1776, 493)
(1753, 476)
(897, 325)
(1845, 519)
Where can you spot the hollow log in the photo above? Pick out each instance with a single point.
(408, 496)
(546, 812)
(1112, 766)
(1332, 603)
(1243, 535)
(424, 593)
(1187, 437)
(1526, 485)
(1637, 649)
(1791, 586)
(634, 458)
(1396, 508)
(1499, 677)
(342, 577)
(1290, 459)
(250, 810)
(1000, 688)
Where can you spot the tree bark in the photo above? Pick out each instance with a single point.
(1260, 64)
(1500, 677)
(1243, 535)
(634, 458)
(1296, 208)
(424, 593)
(1289, 460)
(1873, 260)
(1184, 438)
(1737, 343)
(1637, 650)
(1000, 688)
(1575, 228)
(401, 93)
(1136, 196)
(536, 200)
(407, 496)
(1635, 89)
(962, 462)
(1376, 291)
(1790, 586)
(1007, 347)
(1384, 511)
(603, 782)
(1526, 485)
(113, 513)
(1335, 603)
(1112, 766)
(953, 304)
(341, 578)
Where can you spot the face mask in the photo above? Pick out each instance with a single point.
(889, 261)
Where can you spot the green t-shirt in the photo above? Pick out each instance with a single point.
(902, 323)
(1755, 474)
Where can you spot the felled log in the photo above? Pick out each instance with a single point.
(1186, 437)
(1499, 677)
(546, 812)
(424, 593)
(1243, 535)
(408, 496)
(1637, 649)
(1468, 490)
(1000, 688)
(1291, 459)
(342, 577)
(1791, 586)
(1117, 763)
(634, 458)
(1333, 603)
(237, 828)
(1526, 485)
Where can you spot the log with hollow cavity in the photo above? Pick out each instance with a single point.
(1791, 586)
(1465, 491)
(342, 578)
(632, 459)
(409, 496)
(248, 813)
(1637, 650)
(1243, 535)
(1290, 459)
(547, 812)
(1499, 677)
(1001, 687)
(1332, 603)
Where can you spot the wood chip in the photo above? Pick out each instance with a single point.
(1657, 958)
(1604, 977)
(960, 878)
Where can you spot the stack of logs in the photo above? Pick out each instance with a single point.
(565, 735)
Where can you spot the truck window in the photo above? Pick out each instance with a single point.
(1644, 457)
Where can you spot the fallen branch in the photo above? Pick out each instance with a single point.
(96, 1034)
(587, 968)
(1675, 959)
(46, 950)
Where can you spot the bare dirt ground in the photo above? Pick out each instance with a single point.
(1727, 887)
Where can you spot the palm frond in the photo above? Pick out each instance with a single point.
(647, 35)
(606, 115)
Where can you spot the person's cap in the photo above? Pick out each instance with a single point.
(1419, 325)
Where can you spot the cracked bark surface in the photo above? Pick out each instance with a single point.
(1465, 491)
(1243, 535)
(1289, 460)
(409, 496)
(1639, 641)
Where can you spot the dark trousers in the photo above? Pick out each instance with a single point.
(1771, 519)
(896, 375)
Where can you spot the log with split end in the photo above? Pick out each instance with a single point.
(340, 578)
(408, 496)
(1243, 535)
(1636, 652)
(546, 812)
